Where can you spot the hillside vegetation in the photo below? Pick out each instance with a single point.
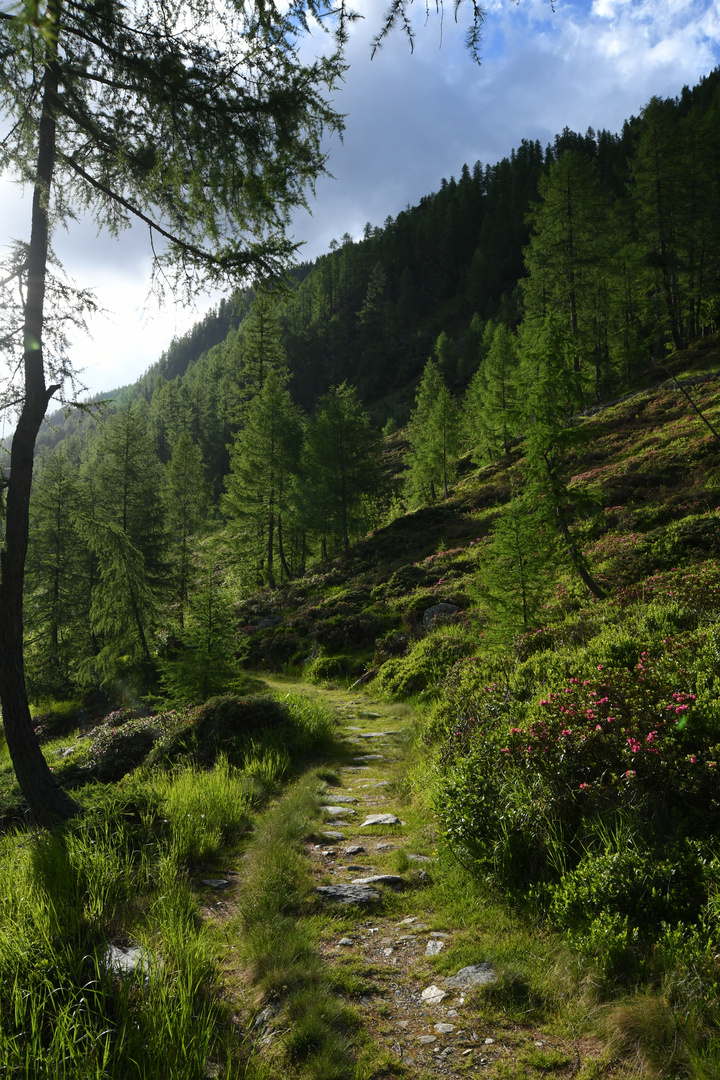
(527, 556)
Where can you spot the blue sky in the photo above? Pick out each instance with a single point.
(413, 119)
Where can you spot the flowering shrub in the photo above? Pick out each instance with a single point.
(119, 745)
(533, 786)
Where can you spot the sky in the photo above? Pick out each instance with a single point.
(413, 118)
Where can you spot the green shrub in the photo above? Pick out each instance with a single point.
(426, 664)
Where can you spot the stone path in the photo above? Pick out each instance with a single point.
(430, 1023)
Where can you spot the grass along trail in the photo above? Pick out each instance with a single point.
(379, 989)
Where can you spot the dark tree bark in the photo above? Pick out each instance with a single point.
(46, 798)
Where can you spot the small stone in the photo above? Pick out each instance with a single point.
(333, 836)
(344, 798)
(369, 757)
(539, 1044)
(420, 858)
(346, 941)
(444, 1029)
(489, 1042)
(403, 1024)
(466, 1052)
(433, 995)
(347, 894)
(433, 948)
(388, 952)
(381, 819)
(215, 883)
(411, 918)
(438, 934)
(426, 1039)
(385, 847)
(452, 1012)
(126, 961)
(473, 975)
(354, 849)
(393, 881)
(338, 811)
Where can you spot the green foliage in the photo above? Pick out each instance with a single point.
(341, 468)
(264, 461)
(491, 407)
(426, 663)
(204, 664)
(434, 437)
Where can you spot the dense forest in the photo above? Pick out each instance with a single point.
(502, 307)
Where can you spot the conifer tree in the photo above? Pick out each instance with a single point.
(205, 664)
(259, 490)
(562, 258)
(54, 593)
(341, 468)
(550, 385)
(186, 501)
(434, 434)
(517, 563)
(491, 399)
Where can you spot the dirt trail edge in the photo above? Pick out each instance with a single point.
(392, 950)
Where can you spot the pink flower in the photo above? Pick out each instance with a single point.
(633, 744)
(583, 786)
(630, 773)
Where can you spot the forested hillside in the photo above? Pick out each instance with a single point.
(470, 460)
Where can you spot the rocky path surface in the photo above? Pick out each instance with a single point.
(372, 870)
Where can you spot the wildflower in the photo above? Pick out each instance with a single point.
(630, 773)
(633, 744)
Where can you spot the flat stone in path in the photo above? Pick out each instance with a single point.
(330, 835)
(215, 883)
(375, 734)
(433, 995)
(381, 819)
(337, 811)
(369, 757)
(433, 948)
(444, 1029)
(353, 849)
(344, 798)
(393, 881)
(348, 894)
(474, 975)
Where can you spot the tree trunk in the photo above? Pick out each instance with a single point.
(47, 800)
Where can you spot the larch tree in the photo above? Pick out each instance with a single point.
(198, 119)
(263, 461)
(434, 434)
(341, 468)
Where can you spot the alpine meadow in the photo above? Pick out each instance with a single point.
(359, 663)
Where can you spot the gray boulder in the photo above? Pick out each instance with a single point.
(438, 613)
